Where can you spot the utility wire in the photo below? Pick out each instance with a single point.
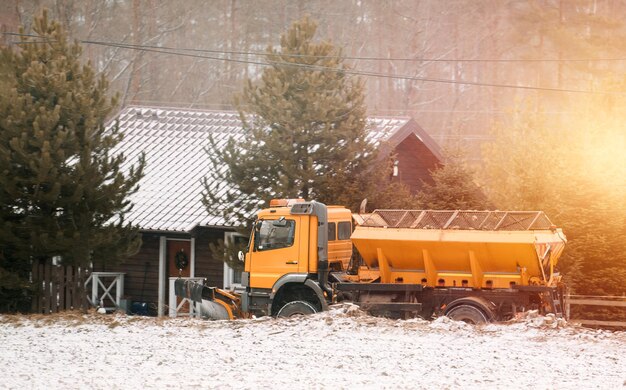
(358, 58)
(349, 71)
(146, 48)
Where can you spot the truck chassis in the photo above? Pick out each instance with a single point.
(391, 300)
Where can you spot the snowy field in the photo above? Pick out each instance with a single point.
(343, 348)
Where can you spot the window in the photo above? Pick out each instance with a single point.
(344, 231)
(232, 275)
(239, 241)
(332, 227)
(274, 234)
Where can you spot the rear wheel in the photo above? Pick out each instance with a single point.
(468, 313)
(296, 308)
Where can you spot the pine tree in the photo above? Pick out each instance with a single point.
(454, 187)
(62, 192)
(306, 135)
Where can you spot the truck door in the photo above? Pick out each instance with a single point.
(275, 250)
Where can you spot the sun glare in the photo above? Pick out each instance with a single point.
(603, 161)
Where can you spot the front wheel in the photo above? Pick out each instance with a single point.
(296, 308)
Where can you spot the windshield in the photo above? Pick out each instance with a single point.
(273, 234)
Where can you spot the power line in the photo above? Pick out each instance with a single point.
(407, 59)
(349, 71)
(376, 112)
(358, 58)
(175, 52)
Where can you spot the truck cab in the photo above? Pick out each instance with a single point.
(293, 246)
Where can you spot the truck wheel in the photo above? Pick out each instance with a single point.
(296, 308)
(468, 313)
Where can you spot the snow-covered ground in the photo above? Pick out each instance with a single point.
(343, 348)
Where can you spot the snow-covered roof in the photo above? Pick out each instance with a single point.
(174, 141)
(388, 132)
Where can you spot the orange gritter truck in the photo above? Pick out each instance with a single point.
(473, 266)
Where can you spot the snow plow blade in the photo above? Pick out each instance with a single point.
(213, 303)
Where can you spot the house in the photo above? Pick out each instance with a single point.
(175, 225)
(416, 153)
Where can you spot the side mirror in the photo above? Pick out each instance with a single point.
(241, 256)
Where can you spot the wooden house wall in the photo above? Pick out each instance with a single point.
(206, 265)
(146, 262)
(415, 162)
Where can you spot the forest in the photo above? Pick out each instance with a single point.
(456, 66)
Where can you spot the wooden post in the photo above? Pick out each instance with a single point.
(119, 290)
(94, 291)
(77, 289)
(63, 287)
(162, 278)
(81, 298)
(35, 296)
(53, 287)
(46, 285)
(40, 287)
(69, 284)
(83, 295)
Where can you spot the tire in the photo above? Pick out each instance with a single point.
(469, 314)
(296, 308)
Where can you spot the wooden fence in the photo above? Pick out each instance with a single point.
(58, 288)
(603, 301)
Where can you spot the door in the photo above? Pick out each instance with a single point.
(179, 255)
(179, 264)
(275, 250)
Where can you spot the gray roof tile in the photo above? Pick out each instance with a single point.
(169, 198)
